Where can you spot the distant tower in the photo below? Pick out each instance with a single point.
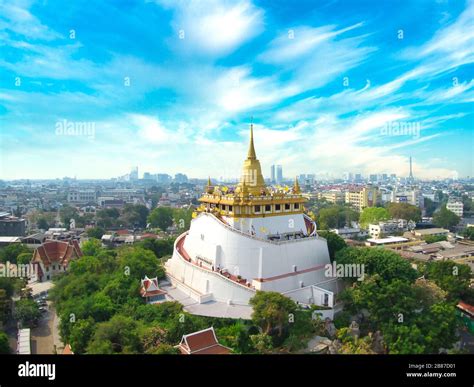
(411, 170)
(273, 178)
(279, 174)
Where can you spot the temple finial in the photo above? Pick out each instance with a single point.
(209, 187)
(296, 186)
(251, 153)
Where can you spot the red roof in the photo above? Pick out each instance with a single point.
(466, 307)
(202, 343)
(67, 350)
(57, 252)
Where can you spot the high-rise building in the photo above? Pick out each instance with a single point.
(134, 174)
(273, 174)
(362, 198)
(180, 178)
(279, 174)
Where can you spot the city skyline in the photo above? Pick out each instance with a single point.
(331, 88)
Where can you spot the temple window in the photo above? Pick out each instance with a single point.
(287, 206)
(277, 207)
(268, 208)
(230, 208)
(297, 206)
(257, 208)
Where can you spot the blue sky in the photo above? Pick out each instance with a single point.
(170, 86)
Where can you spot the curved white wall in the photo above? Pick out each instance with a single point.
(253, 258)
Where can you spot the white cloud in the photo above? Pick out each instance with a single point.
(214, 27)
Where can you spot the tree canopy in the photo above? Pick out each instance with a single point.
(445, 218)
(373, 215)
(404, 211)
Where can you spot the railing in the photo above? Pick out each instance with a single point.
(316, 236)
(204, 269)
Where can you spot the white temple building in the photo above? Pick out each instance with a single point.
(252, 238)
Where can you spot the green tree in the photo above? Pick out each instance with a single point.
(404, 211)
(271, 311)
(66, 213)
(430, 207)
(161, 217)
(373, 215)
(386, 263)
(445, 218)
(11, 252)
(160, 247)
(469, 233)
(107, 217)
(335, 216)
(4, 305)
(182, 218)
(91, 247)
(335, 242)
(4, 344)
(42, 223)
(24, 258)
(95, 232)
(119, 335)
(26, 311)
(81, 334)
(135, 215)
(435, 238)
(450, 276)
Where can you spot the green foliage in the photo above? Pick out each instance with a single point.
(271, 310)
(26, 311)
(161, 217)
(235, 336)
(430, 207)
(404, 211)
(373, 215)
(24, 258)
(4, 344)
(445, 218)
(387, 264)
(120, 335)
(160, 247)
(262, 342)
(66, 213)
(4, 305)
(413, 316)
(435, 238)
(134, 215)
(107, 217)
(95, 232)
(81, 333)
(164, 349)
(182, 218)
(11, 252)
(468, 233)
(42, 223)
(91, 246)
(450, 276)
(335, 242)
(335, 216)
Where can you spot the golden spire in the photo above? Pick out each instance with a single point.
(296, 186)
(252, 178)
(209, 187)
(251, 153)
